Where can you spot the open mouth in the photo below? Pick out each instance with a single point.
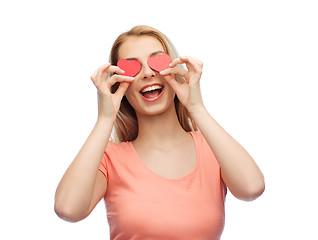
(151, 92)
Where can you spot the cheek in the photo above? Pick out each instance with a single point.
(130, 89)
(130, 94)
(169, 89)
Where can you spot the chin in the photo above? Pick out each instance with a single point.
(153, 110)
(156, 109)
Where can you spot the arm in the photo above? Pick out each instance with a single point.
(82, 185)
(239, 171)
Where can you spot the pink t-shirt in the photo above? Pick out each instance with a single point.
(143, 205)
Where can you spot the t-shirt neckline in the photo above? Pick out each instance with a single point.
(193, 172)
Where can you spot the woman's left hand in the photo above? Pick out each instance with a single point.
(188, 92)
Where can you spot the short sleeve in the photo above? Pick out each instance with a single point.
(103, 167)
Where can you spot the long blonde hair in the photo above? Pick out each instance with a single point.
(126, 125)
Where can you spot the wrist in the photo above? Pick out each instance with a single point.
(105, 120)
(197, 111)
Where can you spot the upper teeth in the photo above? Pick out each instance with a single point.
(151, 88)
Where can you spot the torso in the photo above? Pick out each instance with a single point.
(174, 163)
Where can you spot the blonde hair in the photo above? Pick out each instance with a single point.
(126, 125)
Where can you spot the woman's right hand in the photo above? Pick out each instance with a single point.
(109, 103)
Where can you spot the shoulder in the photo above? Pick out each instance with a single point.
(202, 143)
(196, 133)
(198, 137)
(113, 147)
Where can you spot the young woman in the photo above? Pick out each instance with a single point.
(165, 172)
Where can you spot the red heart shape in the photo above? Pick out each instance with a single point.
(159, 62)
(131, 67)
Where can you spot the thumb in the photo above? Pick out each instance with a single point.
(121, 90)
(175, 85)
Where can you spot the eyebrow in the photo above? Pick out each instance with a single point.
(155, 53)
(152, 54)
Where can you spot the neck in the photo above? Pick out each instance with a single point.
(162, 131)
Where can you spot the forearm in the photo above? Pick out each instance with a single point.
(75, 189)
(239, 171)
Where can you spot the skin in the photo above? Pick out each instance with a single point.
(83, 185)
(155, 116)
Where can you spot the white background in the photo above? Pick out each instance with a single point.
(259, 83)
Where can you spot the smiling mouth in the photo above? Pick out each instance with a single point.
(151, 94)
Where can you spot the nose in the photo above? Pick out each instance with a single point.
(147, 72)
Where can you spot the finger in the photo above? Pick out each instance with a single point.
(103, 68)
(121, 90)
(115, 69)
(119, 78)
(170, 79)
(198, 63)
(101, 74)
(191, 64)
(175, 62)
(185, 59)
(177, 70)
(97, 71)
